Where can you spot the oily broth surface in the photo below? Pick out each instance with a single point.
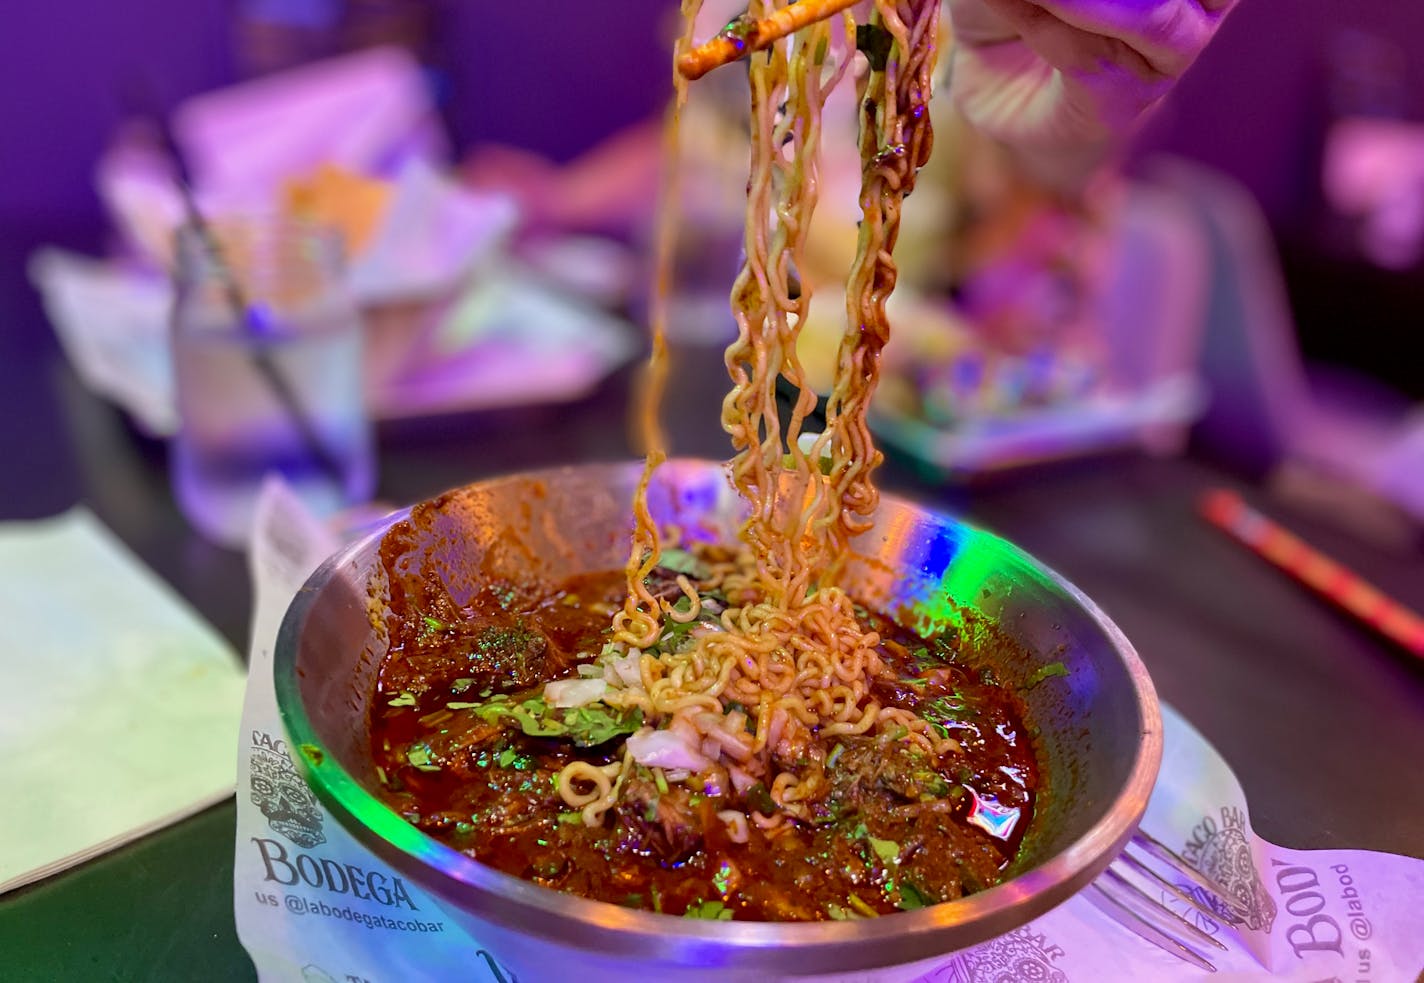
(895, 835)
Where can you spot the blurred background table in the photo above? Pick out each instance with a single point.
(1320, 719)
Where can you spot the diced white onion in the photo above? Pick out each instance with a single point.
(624, 671)
(664, 749)
(729, 744)
(741, 780)
(683, 728)
(574, 692)
(775, 727)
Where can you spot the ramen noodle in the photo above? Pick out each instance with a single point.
(808, 498)
(730, 704)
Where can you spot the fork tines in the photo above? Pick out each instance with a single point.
(1122, 894)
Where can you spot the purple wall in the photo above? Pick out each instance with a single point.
(1255, 104)
(63, 66)
(1252, 107)
(555, 75)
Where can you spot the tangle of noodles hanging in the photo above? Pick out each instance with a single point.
(738, 693)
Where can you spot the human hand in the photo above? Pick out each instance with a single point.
(1072, 76)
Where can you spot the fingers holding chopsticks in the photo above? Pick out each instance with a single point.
(1063, 77)
(1167, 34)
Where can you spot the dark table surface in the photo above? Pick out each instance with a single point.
(1322, 721)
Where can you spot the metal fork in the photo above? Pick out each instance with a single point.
(1121, 892)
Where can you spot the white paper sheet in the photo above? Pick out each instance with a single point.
(119, 701)
(1313, 915)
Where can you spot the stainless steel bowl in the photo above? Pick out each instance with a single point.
(1099, 726)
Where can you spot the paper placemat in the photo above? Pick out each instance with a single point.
(119, 701)
(313, 904)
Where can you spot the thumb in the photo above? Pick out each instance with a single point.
(975, 24)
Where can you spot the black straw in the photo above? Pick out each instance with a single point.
(250, 317)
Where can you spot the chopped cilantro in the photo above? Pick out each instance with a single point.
(942, 711)
(760, 799)
(1045, 672)
(911, 897)
(419, 756)
(595, 724)
(404, 700)
(710, 910)
(862, 907)
(875, 42)
(587, 726)
(723, 878)
(887, 850)
(507, 757)
(677, 635)
(681, 561)
(824, 462)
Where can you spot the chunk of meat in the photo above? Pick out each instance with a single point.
(870, 764)
(663, 824)
(662, 583)
(457, 746)
(499, 657)
(945, 859)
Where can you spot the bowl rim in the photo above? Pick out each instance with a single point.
(519, 905)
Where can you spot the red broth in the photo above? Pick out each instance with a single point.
(898, 829)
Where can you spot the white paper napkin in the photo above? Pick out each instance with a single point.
(505, 340)
(113, 325)
(369, 112)
(119, 703)
(1314, 915)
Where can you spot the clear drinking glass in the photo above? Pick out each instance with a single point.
(267, 349)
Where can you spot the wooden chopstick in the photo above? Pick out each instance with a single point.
(1335, 582)
(745, 34)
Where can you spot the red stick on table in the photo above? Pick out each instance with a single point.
(1338, 584)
